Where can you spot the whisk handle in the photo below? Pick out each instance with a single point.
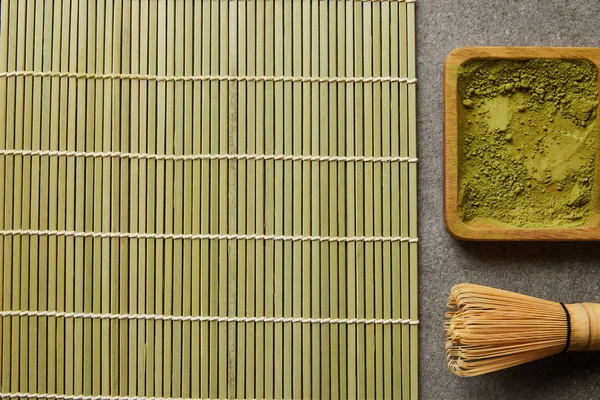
(585, 326)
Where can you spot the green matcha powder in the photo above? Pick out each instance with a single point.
(527, 141)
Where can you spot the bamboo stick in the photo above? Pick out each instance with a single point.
(341, 197)
(251, 205)
(144, 136)
(96, 57)
(325, 390)
(83, 370)
(135, 107)
(241, 207)
(404, 206)
(307, 117)
(77, 213)
(48, 201)
(351, 202)
(369, 199)
(270, 346)
(116, 326)
(386, 338)
(18, 379)
(168, 366)
(377, 201)
(31, 195)
(412, 151)
(31, 190)
(85, 140)
(107, 276)
(198, 266)
(278, 138)
(332, 207)
(178, 172)
(4, 42)
(123, 144)
(360, 202)
(61, 257)
(159, 384)
(232, 196)
(223, 212)
(205, 221)
(23, 180)
(152, 345)
(287, 146)
(188, 264)
(395, 200)
(295, 336)
(8, 139)
(8, 165)
(315, 204)
(377, 211)
(261, 136)
(129, 194)
(71, 243)
(214, 201)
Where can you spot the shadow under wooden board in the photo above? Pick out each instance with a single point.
(486, 228)
(208, 199)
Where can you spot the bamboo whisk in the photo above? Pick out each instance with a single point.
(490, 329)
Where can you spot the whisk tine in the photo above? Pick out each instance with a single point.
(489, 329)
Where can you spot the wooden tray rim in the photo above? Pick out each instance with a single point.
(454, 225)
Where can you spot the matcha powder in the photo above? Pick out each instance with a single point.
(527, 141)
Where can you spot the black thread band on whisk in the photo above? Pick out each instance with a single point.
(568, 328)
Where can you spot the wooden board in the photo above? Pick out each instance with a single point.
(485, 230)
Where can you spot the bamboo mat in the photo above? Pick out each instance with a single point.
(208, 199)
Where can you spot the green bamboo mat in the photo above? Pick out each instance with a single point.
(208, 199)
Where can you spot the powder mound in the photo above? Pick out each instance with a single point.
(527, 141)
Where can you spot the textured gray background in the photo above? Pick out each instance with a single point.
(566, 272)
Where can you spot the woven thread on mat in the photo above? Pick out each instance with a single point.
(187, 236)
(153, 317)
(190, 157)
(222, 78)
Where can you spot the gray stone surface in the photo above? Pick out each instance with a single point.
(566, 272)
